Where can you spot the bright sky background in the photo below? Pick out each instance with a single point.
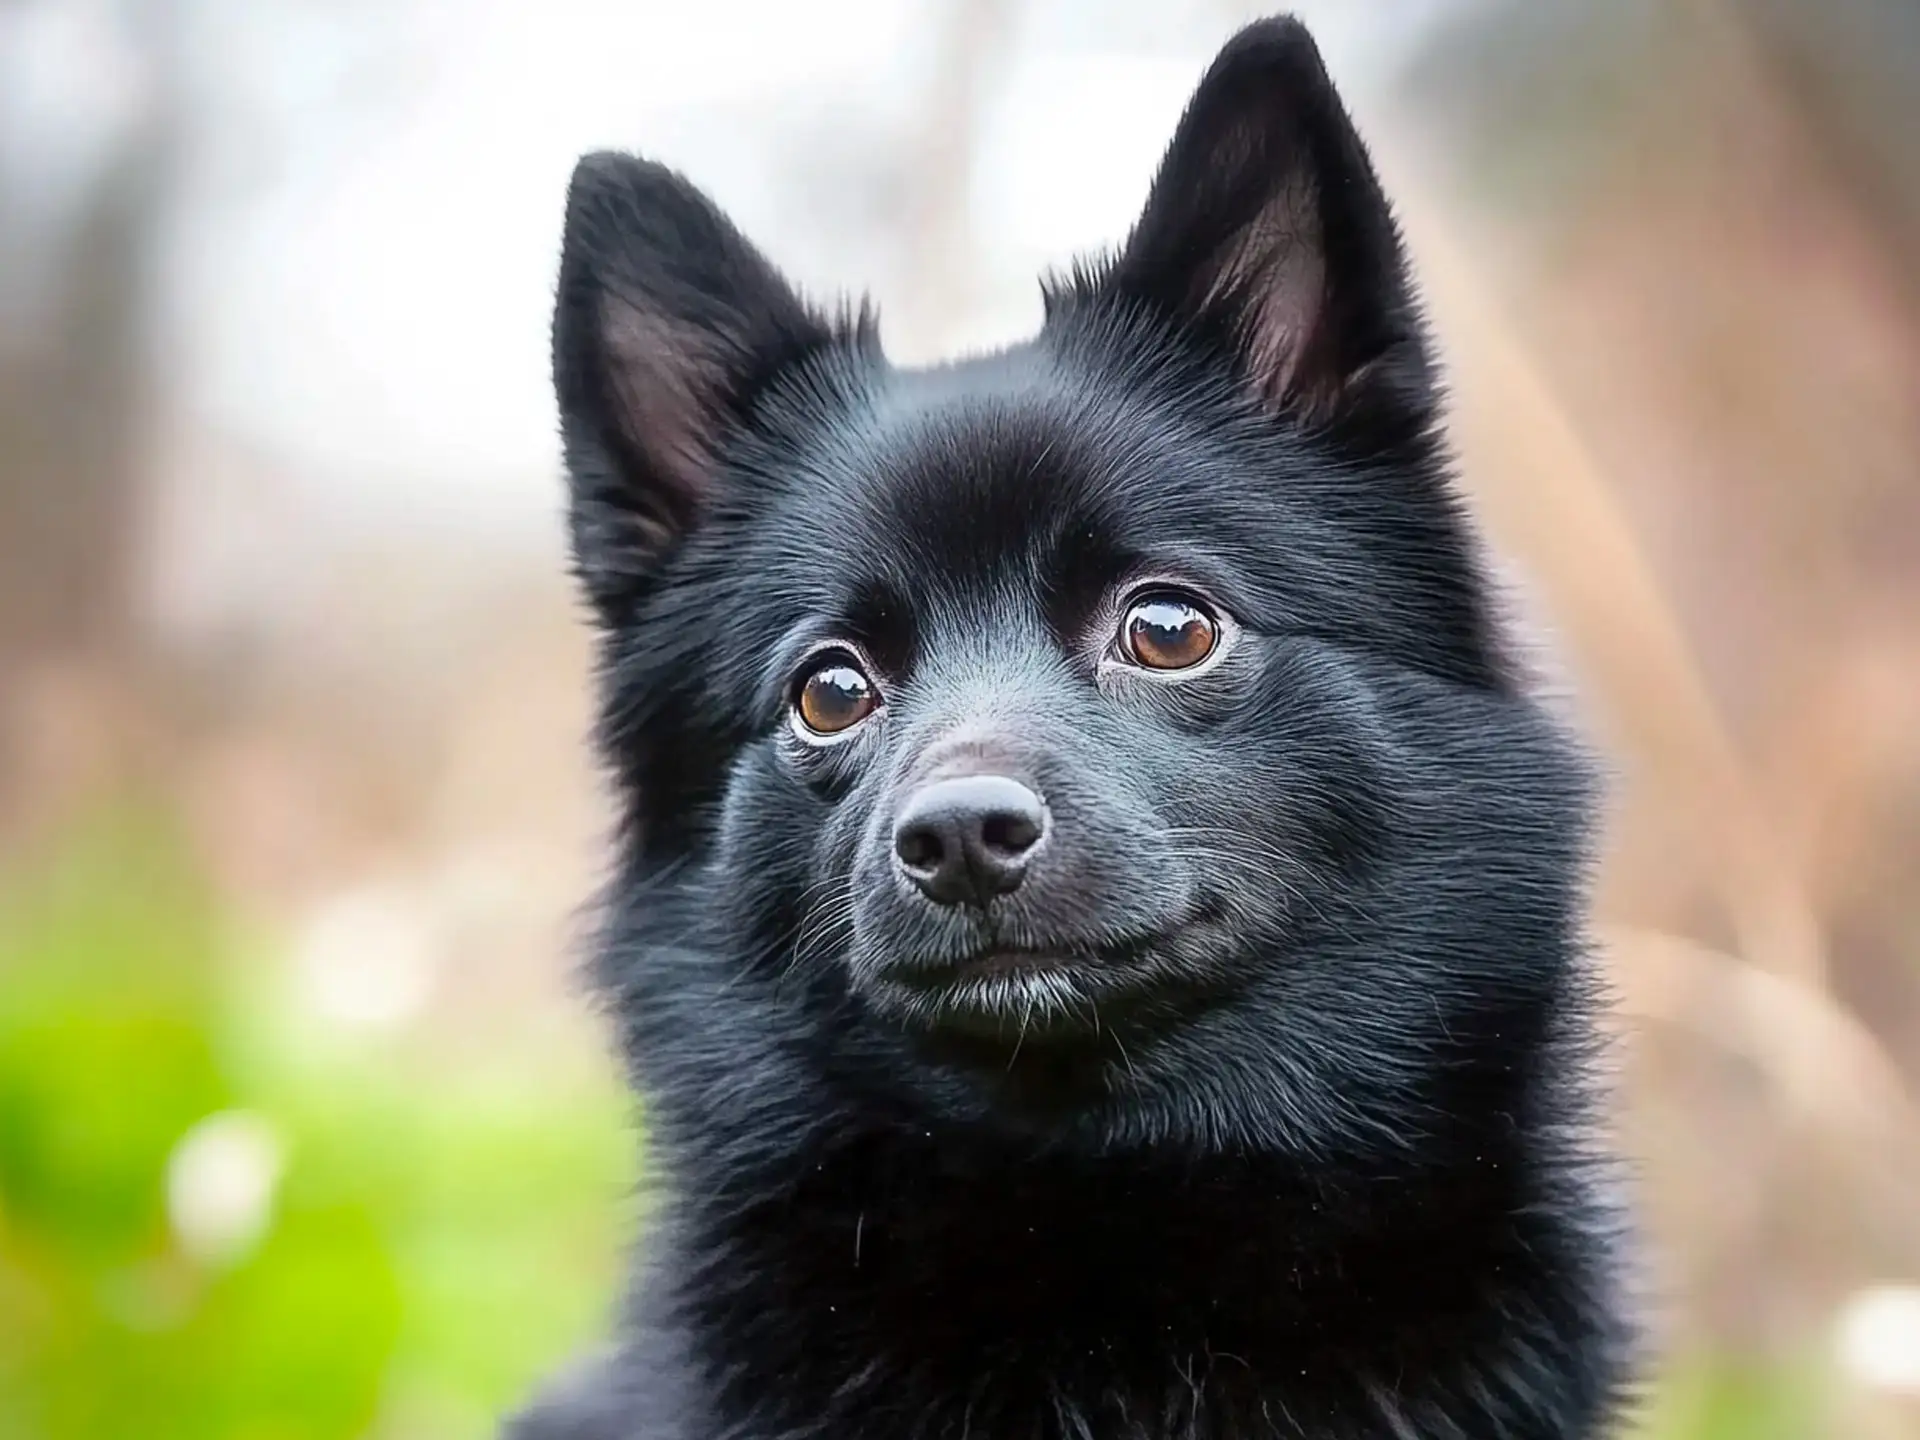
(369, 293)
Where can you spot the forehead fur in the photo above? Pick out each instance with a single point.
(960, 470)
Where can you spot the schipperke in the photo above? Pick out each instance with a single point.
(1097, 919)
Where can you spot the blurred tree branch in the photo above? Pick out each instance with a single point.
(74, 410)
(939, 229)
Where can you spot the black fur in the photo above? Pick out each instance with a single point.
(1298, 1140)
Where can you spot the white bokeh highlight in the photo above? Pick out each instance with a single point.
(222, 1178)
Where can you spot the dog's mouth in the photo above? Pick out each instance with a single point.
(1031, 994)
(1020, 962)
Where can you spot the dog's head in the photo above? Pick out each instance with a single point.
(1113, 722)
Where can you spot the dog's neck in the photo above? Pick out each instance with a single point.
(1131, 1296)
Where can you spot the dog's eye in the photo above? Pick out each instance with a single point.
(1168, 631)
(834, 696)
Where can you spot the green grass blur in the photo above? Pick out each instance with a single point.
(430, 1247)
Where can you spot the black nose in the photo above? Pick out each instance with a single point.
(969, 839)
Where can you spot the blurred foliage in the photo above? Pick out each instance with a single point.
(430, 1248)
(1725, 1401)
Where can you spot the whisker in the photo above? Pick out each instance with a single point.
(1026, 1018)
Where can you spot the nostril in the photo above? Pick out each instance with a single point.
(1010, 834)
(918, 846)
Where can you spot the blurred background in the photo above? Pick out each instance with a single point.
(306, 1129)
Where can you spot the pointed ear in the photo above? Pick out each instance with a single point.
(1267, 227)
(667, 324)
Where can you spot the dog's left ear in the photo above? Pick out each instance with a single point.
(1266, 226)
(668, 324)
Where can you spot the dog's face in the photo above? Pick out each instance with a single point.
(1094, 717)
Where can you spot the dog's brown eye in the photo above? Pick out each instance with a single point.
(834, 696)
(1168, 632)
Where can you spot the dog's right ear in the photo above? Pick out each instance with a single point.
(667, 323)
(1266, 226)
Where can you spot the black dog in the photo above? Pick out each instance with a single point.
(1098, 916)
